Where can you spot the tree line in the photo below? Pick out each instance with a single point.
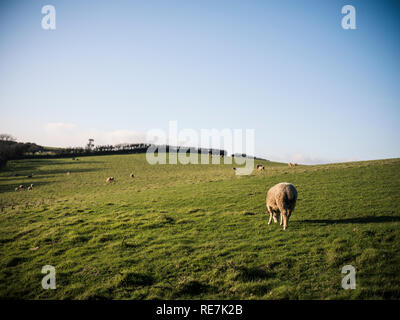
(10, 149)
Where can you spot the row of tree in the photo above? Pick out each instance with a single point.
(11, 149)
(125, 148)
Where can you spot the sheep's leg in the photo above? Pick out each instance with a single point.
(271, 214)
(285, 220)
(289, 213)
(274, 216)
(270, 218)
(280, 223)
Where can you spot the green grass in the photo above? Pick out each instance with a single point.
(197, 231)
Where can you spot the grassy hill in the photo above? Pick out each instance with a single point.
(197, 231)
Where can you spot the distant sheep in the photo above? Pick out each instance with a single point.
(30, 187)
(132, 175)
(260, 167)
(110, 179)
(16, 189)
(21, 187)
(68, 173)
(281, 199)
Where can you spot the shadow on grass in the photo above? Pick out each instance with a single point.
(252, 274)
(191, 288)
(370, 219)
(18, 172)
(25, 167)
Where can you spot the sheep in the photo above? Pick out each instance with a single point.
(21, 186)
(132, 175)
(110, 179)
(16, 189)
(30, 187)
(68, 173)
(281, 199)
(260, 167)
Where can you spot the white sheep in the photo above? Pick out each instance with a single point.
(281, 199)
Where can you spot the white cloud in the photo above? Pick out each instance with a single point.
(117, 136)
(59, 126)
(58, 134)
(306, 159)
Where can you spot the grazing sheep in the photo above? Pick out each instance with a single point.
(281, 199)
(30, 187)
(132, 175)
(16, 189)
(260, 167)
(110, 179)
(21, 186)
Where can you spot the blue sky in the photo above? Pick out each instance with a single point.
(312, 91)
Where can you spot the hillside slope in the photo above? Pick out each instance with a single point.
(197, 231)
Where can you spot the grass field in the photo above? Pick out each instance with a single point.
(197, 231)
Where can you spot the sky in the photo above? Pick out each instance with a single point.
(112, 70)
